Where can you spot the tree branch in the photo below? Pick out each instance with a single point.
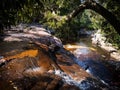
(90, 4)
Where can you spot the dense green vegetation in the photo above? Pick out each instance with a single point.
(100, 23)
(52, 14)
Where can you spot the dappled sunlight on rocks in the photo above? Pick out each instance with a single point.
(27, 53)
(71, 69)
(40, 62)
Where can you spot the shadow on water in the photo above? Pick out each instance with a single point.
(114, 67)
(108, 71)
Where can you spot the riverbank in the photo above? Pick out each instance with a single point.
(99, 40)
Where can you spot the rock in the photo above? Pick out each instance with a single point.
(2, 62)
(69, 87)
(100, 40)
(39, 62)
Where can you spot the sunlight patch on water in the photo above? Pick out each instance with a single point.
(82, 51)
(73, 47)
(79, 49)
(70, 46)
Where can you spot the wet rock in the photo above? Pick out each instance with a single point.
(100, 40)
(2, 60)
(4, 85)
(69, 87)
(39, 62)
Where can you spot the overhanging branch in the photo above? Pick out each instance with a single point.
(90, 4)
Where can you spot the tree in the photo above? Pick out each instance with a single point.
(99, 22)
(8, 11)
(90, 4)
(50, 11)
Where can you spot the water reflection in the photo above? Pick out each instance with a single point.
(88, 57)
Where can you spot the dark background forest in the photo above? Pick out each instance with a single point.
(52, 14)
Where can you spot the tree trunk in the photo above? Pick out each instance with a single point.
(90, 4)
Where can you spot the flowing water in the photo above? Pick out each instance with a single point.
(85, 49)
(94, 60)
(30, 61)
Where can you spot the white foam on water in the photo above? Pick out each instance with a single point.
(35, 71)
(83, 84)
(68, 79)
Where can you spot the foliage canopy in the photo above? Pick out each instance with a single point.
(52, 14)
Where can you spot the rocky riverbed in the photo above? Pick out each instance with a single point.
(32, 59)
(99, 39)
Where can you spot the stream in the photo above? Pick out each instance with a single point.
(36, 60)
(95, 60)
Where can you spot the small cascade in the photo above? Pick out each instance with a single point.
(87, 57)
